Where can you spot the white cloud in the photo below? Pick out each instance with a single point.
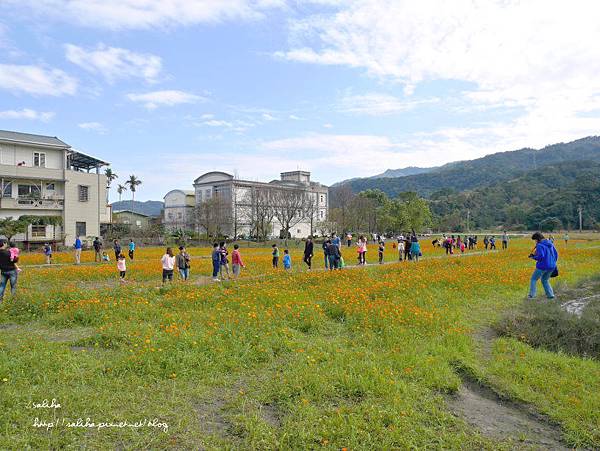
(93, 126)
(268, 117)
(217, 123)
(294, 117)
(377, 104)
(534, 58)
(154, 99)
(27, 113)
(328, 125)
(114, 63)
(145, 14)
(36, 80)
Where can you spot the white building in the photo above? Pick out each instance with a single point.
(179, 210)
(241, 199)
(43, 176)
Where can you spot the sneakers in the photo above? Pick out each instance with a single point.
(216, 279)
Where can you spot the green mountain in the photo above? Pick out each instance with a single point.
(546, 198)
(149, 207)
(486, 171)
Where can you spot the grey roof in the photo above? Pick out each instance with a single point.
(133, 212)
(83, 161)
(28, 138)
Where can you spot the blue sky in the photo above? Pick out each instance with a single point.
(168, 90)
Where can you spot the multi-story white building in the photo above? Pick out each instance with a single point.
(43, 176)
(179, 210)
(244, 202)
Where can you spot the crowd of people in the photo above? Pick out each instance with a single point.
(406, 245)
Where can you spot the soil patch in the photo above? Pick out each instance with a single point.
(501, 419)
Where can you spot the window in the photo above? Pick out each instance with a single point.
(170, 215)
(80, 229)
(7, 191)
(29, 191)
(138, 223)
(298, 231)
(83, 193)
(179, 215)
(322, 214)
(199, 199)
(38, 231)
(49, 186)
(322, 198)
(39, 159)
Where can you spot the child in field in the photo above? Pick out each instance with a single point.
(168, 265)
(380, 252)
(224, 264)
(236, 261)
(48, 253)
(287, 260)
(401, 245)
(275, 254)
(14, 254)
(216, 262)
(121, 266)
(105, 257)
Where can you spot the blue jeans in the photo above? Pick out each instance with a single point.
(326, 261)
(184, 273)
(6, 276)
(332, 262)
(543, 274)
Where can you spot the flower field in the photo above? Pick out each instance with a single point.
(362, 358)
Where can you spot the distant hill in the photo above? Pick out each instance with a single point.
(410, 170)
(403, 172)
(486, 171)
(546, 198)
(149, 207)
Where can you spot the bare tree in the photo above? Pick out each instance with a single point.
(212, 216)
(341, 199)
(262, 211)
(291, 206)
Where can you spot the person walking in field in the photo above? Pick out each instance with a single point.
(183, 263)
(336, 240)
(287, 260)
(308, 252)
(48, 253)
(334, 255)
(8, 270)
(349, 239)
(380, 251)
(362, 250)
(486, 241)
(401, 246)
(407, 244)
(216, 262)
(275, 255)
(117, 248)
(325, 253)
(566, 238)
(97, 244)
(236, 261)
(492, 243)
(224, 260)
(78, 246)
(168, 266)
(415, 247)
(131, 249)
(505, 240)
(121, 267)
(546, 257)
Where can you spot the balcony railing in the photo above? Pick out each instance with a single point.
(41, 203)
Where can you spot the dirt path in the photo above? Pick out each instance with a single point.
(502, 419)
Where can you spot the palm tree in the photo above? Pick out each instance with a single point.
(133, 182)
(120, 189)
(110, 176)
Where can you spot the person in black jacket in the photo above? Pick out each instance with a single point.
(308, 252)
(8, 270)
(326, 253)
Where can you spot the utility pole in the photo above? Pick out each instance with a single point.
(468, 217)
(580, 211)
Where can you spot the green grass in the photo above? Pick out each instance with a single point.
(357, 359)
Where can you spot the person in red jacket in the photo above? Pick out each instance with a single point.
(236, 261)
